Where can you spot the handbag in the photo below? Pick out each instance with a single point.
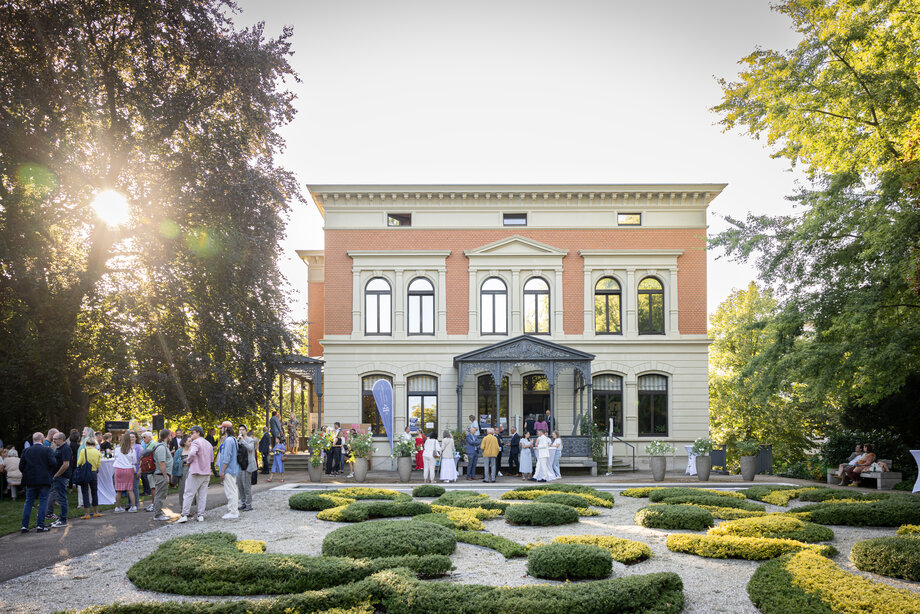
(84, 473)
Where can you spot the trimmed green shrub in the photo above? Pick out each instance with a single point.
(540, 514)
(364, 492)
(624, 551)
(577, 489)
(640, 493)
(576, 501)
(808, 582)
(455, 519)
(909, 530)
(476, 512)
(315, 502)
(897, 557)
(510, 549)
(713, 500)
(819, 494)
(396, 592)
(451, 497)
(729, 513)
(380, 538)
(757, 493)
(777, 526)
(734, 547)
(782, 497)
(428, 490)
(440, 519)
(891, 512)
(531, 495)
(569, 562)
(210, 564)
(459, 498)
(360, 511)
(659, 495)
(665, 516)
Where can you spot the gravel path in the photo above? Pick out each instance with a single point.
(710, 585)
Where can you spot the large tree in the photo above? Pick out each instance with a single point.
(171, 106)
(845, 103)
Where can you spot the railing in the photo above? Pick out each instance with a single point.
(610, 448)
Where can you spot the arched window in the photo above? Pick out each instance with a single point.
(650, 307)
(494, 307)
(421, 307)
(369, 413)
(608, 403)
(607, 307)
(653, 406)
(536, 306)
(422, 407)
(377, 301)
(489, 415)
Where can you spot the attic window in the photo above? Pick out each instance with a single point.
(399, 219)
(629, 219)
(514, 219)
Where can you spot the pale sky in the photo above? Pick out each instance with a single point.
(523, 91)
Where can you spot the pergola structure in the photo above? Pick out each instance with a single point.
(303, 369)
(501, 358)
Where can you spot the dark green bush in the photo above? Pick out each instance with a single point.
(396, 592)
(897, 557)
(210, 564)
(891, 512)
(440, 519)
(829, 494)
(570, 488)
(453, 497)
(359, 511)
(658, 495)
(714, 500)
(666, 516)
(314, 502)
(379, 538)
(428, 490)
(540, 514)
(510, 549)
(569, 562)
(757, 493)
(565, 499)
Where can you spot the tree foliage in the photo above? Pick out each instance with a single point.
(180, 308)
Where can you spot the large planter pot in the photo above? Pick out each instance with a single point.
(316, 472)
(659, 467)
(360, 469)
(703, 466)
(748, 468)
(404, 467)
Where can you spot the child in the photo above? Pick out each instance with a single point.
(277, 459)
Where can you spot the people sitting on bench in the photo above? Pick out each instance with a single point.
(852, 473)
(851, 462)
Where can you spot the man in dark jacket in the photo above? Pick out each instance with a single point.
(265, 447)
(514, 454)
(275, 427)
(37, 465)
(472, 452)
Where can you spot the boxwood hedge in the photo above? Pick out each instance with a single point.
(364, 492)
(658, 495)
(569, 562)
(380, 538)
(510, 549)
(622, 550)
(566, 499)
(476, 512)
(531, 492)
(315, 502)
(428, 490)
(734, 547)
(829, 494)
(360, 511)
(890, 512)
(665, 516)
(776, 494)
(210, 564)
(540, 514)
(713, 500)
(898, 557)
(452, 497)
(808, 582)
(396, 592)
(909, 530)
(729, 513)
(776, 526)
(453, 519)
(758, 492)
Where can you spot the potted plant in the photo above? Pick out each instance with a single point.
(317, 443)
(702, 448)
(362, 446)
(748, 450)
(657, 450)
(403, 450)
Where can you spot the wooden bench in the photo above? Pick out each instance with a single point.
(886, 479)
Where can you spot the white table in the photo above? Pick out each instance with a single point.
(691, 461)
(105, 483)
(916, 454)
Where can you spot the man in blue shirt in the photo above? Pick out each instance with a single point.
(472, 453)
(229, 468)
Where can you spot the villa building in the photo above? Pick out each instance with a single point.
(588, 301)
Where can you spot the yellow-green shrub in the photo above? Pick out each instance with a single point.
(639, 493)
(728, 513)
(775, 526)
(807, 582)
(364, 492)
(909, 530)
(463, 519)
(660, 494)
(587, 511)
(622, 550)
(782, 497)
(478, 512)
(530, 495)
(333, 514)
(251, 546)
(734, 547)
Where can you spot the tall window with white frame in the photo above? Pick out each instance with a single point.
(369, 413)
(422, 406)
(493, 307)
(653, 405)
(421, 307)
(536, 306)
(650, 307)
(607, 314)
(377, 312)
(608, 403)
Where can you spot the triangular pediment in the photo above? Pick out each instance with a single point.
(522, 348)
(516, 246)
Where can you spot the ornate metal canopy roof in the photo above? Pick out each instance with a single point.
(502, 357)
(302, 367)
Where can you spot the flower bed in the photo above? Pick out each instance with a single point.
(665, 516)
(382, 538)
(776, 526)
(897, 557)
(540, 514)
(734, 547)
(569, 562)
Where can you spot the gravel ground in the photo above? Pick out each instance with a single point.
(710, 585)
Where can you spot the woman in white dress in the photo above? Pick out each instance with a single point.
(526, 457)
(544, 472)
(448, 463)
(429, 453)
(557, 449)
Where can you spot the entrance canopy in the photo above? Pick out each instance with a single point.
(503, 357)
(303, 369)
